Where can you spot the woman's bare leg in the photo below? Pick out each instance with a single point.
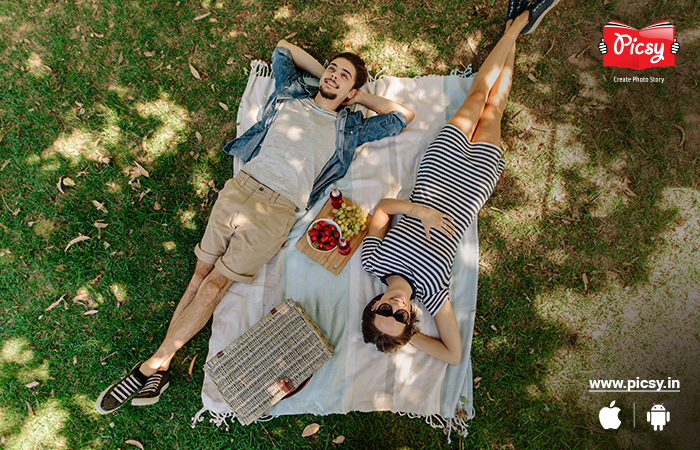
(467, 116)
(488, 129)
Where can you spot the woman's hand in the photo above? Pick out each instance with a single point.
(434, 219)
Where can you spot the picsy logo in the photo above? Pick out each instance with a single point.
(653, 46)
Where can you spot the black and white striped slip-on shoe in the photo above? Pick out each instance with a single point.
(150, 392)
(538, 9)
(117, 394)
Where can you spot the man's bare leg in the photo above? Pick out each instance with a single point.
(201, 271)
(188, 321)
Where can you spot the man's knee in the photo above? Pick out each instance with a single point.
(215, 281)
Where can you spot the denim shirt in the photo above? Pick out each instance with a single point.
(352, 129)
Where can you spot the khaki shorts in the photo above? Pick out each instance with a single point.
(248, 225)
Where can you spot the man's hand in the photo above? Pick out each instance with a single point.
(357, 98)
(302, 59)
(379, 104)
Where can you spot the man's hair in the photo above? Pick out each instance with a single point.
(384, 342)
(358, 63)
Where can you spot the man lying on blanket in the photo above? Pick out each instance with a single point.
(456, 176)
(303, 143)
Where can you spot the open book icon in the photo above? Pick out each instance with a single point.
(638, 49)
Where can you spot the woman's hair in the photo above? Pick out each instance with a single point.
(358, 63)
(384, 342)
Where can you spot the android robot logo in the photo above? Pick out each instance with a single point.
(658, 416)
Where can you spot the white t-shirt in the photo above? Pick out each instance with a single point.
(297, 146)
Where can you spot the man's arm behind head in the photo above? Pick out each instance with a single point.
(302, 59)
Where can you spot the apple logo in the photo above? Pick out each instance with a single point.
(608, 417)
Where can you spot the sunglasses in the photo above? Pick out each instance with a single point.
(401, 315)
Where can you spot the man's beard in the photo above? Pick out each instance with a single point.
(327, 95)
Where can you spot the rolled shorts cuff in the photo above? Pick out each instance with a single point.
(204, 256)
(220, 265)
(230, 274)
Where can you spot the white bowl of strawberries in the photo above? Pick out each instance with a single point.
(323, 235)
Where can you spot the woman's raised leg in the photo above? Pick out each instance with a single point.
(488, 129)
(467, 116)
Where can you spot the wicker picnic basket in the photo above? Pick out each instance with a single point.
(269, 361)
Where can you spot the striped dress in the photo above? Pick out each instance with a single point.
(455, 177)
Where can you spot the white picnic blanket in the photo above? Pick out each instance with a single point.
(358, 377)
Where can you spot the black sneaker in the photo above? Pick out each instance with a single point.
(538, 10)
(117, 394)
(150, 392)
(515, 8)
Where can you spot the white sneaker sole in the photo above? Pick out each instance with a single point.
(150, 400)
(539, 19)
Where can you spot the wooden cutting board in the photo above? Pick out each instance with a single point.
(332, 260)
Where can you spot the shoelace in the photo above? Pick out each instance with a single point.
(152, 384)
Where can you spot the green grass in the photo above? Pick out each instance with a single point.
(91, 88)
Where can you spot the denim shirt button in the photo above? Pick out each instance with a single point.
(261, 188)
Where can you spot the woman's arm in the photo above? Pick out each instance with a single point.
(380, 105)
(391, 206)
(302, 59)
(449, 347)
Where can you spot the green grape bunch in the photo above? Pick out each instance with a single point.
(351, 220)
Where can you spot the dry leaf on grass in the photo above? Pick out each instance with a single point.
(30, 410)
(532, 78)
(198, 135)
(90, 313)
(32, 385)
(194, 72)
(141, 170)
(291, 35)
(121, 58)
(493, 327)
(203, 16)
(339, 440)
(58, 185)
(55, 304)
(585, 281)
(134, 443)
(4, 227)
(310, 430)
(489, 396)
(224, 106)
(189, 371)
(157, 206)
(100, 206)
(68, 182)
(100, 224)
(76, 240)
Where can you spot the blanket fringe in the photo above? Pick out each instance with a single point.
(260, 68)
(216, 418)
(435, 421)
(443, 423)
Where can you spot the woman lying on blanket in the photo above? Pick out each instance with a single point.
(456, 176)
